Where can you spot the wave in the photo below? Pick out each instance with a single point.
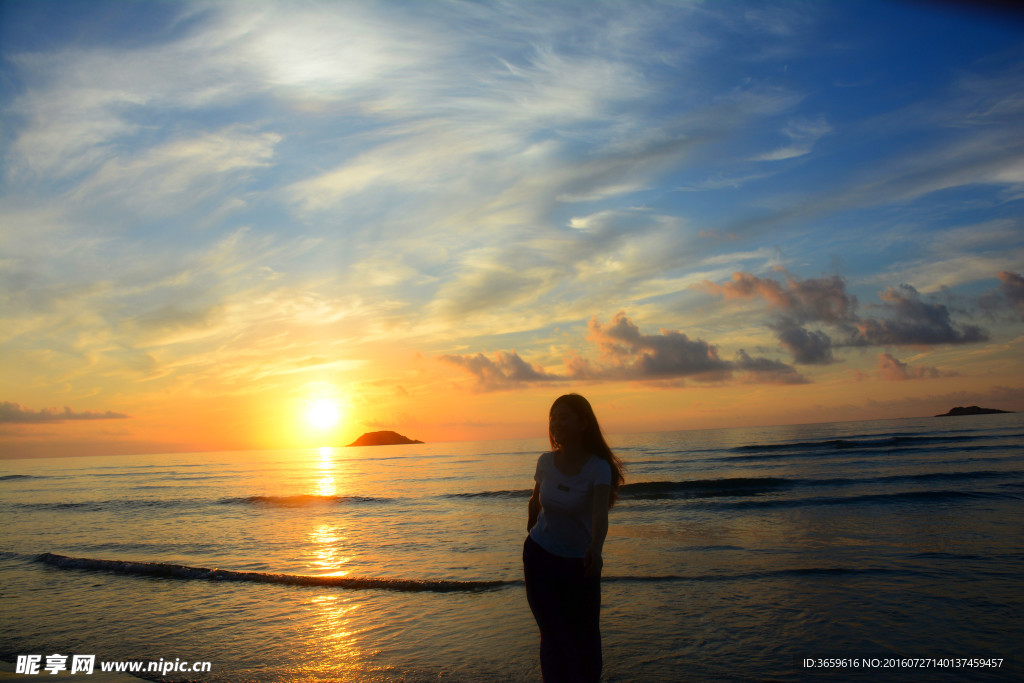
(923, 477)
(890, 442)
(911, 497)
(300, 500)
(519, 493)
(795, 572)
(14, 477)
(104, 505)
(704, 488)
(179, 571)
(945, 476)
(659, 490)
(751, 486)
(184, 572)
(760, 491)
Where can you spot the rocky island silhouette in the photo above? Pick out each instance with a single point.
(383, 438)
(972, 410)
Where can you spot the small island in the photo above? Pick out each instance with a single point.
(385, 438)
(972, 410)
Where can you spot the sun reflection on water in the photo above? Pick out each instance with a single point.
(332, 638)
(327, 542)
(327, 487)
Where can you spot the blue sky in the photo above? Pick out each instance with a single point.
(696, 211)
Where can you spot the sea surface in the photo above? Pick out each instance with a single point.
(733, 554)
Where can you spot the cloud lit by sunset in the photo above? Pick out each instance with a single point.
(236, 225)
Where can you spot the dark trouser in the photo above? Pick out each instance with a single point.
(567, 608)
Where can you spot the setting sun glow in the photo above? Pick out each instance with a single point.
(323, 413)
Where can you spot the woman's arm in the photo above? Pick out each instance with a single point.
(534, 508)
(592, 561)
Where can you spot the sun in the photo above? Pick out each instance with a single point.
(323, 413)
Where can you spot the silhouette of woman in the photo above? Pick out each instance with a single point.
(576, 484)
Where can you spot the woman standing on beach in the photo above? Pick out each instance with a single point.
(576, 484)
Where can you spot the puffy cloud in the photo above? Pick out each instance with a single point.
(627, 354)
(1006, 301)
(912, 321)
(1012, 288)
(634, 355)
(905, 319)
(766, 371)
(15, 413)
(809, 347)
(822, 300)
(505, 371)
(816, 299)
(893, 370)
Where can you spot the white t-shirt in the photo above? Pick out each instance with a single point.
(565, 524)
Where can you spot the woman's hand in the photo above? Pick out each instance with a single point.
(592, 564)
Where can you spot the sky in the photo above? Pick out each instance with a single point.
(246, 225)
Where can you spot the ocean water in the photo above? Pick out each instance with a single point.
(732, 554)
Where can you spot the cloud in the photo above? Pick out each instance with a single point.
(795, 303)
(803, 135)
(904, 318)
(505, 371)
(485, 289)
(911, 321)
(946, 258)
(630, 354)
(809, 347)
(627, 354)
(15, 413)
(766, 371)
(971, 139)
(815, 299)
(399, 141)
(892, 369)
(180, 173)
(1006, 301)
(722, 181)
(1012, 288)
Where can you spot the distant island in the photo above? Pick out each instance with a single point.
(382, 439)
(972, 410)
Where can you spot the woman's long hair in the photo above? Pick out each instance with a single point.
(593, 439)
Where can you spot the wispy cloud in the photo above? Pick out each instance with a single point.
(892, 369)
(14, 413)
(170, 177)
(802, 136)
